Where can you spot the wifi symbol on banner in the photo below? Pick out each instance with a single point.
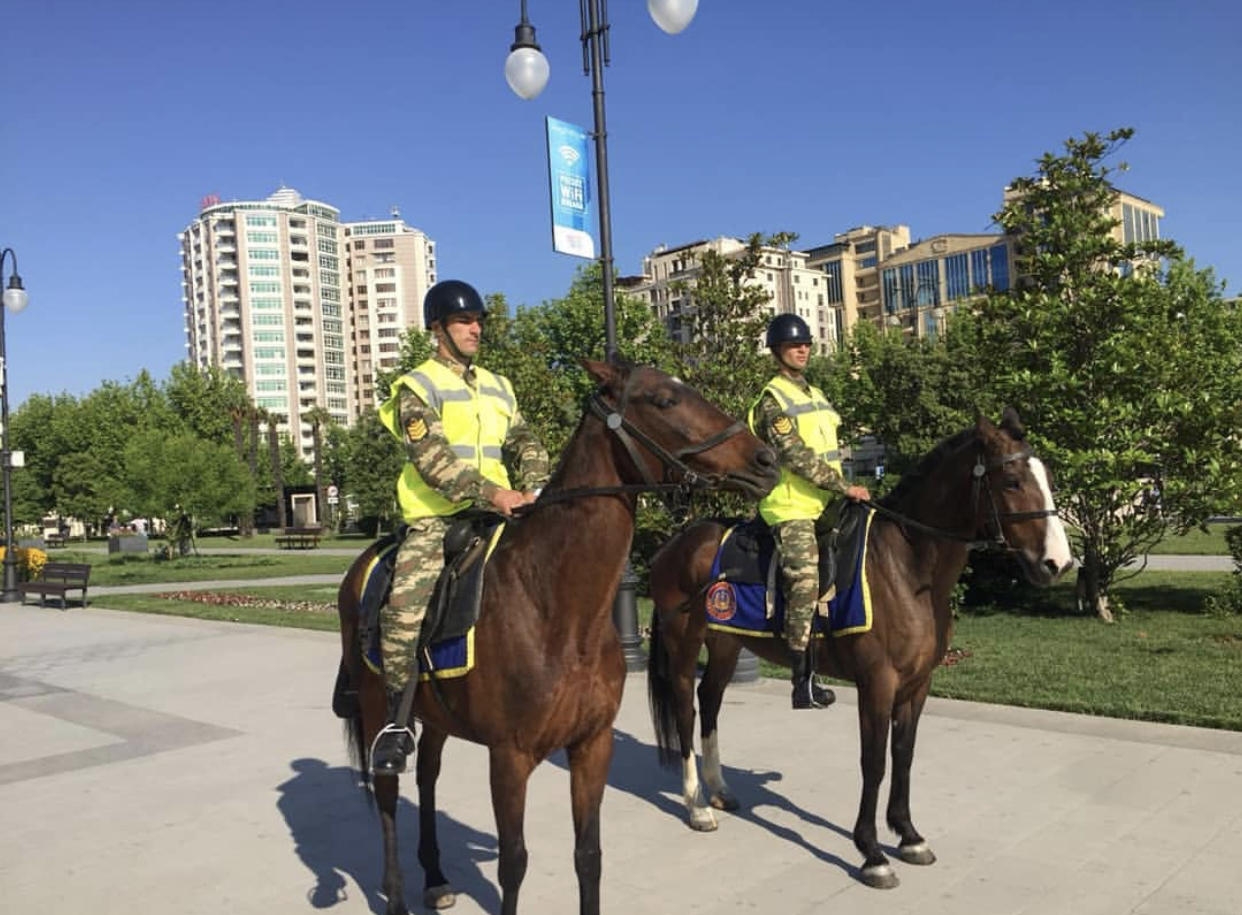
(569, 154)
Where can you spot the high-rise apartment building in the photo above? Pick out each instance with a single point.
(284, 296)
(391, 267)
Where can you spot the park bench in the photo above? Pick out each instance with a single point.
(58, 578)
(299, 538)
(53, 540)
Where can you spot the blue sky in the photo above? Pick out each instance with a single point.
(803, 115)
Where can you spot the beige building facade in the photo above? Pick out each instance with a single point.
(278, 291)
(391, 267)
(921, 285)
(851, 263)
(793, 286)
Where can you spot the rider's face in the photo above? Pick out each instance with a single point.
(465, 330)
(794, 355)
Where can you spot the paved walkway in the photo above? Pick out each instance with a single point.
(156, 762)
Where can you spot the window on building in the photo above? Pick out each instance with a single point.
(999, 256)
(979, 279)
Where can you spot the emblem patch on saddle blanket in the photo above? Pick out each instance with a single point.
(450, 657)
(748, 601)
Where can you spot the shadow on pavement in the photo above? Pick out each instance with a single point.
(636, 770)
(336, 834)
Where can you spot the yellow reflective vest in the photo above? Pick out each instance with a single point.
(796, 497)
(476, 423)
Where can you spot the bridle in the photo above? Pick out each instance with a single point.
(679, 477)
(629, 434)
(980, 484)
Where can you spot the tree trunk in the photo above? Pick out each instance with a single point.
(278, 476)
(321, 496)
(252, 459)
(1092, 589)
(245, 525)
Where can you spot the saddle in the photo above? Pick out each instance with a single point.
(746, 555)
(458, 594)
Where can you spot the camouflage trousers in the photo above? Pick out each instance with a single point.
(419, 561)
(799, 558)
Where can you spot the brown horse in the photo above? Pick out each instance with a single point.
(549, 669)
(981, 485)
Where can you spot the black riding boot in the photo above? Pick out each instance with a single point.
(393, 743)
(806, 692)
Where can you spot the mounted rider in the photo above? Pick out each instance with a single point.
(796, 420)
(466, 444)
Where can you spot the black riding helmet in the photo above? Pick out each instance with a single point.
(788, 328)
(450, 297)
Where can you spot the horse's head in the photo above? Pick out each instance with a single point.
(672, 433)
(1012, 498)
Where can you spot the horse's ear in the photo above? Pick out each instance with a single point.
(1012, 423)
(983, 425)
(606, 373)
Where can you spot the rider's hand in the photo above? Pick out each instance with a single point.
(858, 493)
(506, 500)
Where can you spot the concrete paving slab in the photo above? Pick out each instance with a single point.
(153, 761)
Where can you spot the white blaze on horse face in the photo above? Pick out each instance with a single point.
(1056, 543)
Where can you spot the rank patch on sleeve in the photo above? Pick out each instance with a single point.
(782, 425)
(416, 429)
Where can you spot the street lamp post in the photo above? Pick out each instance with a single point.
(527, 71)
(15, 300)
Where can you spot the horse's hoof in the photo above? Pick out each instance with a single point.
(439, 897)
(916, 853)
(879, 877)
(702, 820)
(724, 800)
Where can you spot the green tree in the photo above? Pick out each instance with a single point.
(725, 315)
(1129, 374)
(541, 348)
(320, 421)
(375, 460)
(207, 401)
(182, 473)
(907, 392)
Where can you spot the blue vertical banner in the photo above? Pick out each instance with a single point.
(570, 189)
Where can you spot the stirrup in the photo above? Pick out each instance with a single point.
(402, 737)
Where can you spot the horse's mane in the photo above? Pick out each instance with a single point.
(912, 479)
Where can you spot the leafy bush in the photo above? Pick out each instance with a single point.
(1228, 600)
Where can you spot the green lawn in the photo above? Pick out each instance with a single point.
(133, 570)
(1196, 542)
(1164, 660)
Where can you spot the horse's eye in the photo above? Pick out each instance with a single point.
(663, 400)
(1013, 484)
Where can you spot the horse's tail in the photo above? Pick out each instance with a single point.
(661, 699)
(345, 701)
(351, 713)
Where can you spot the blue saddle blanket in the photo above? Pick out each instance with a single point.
(758, 608)
(451, 657)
